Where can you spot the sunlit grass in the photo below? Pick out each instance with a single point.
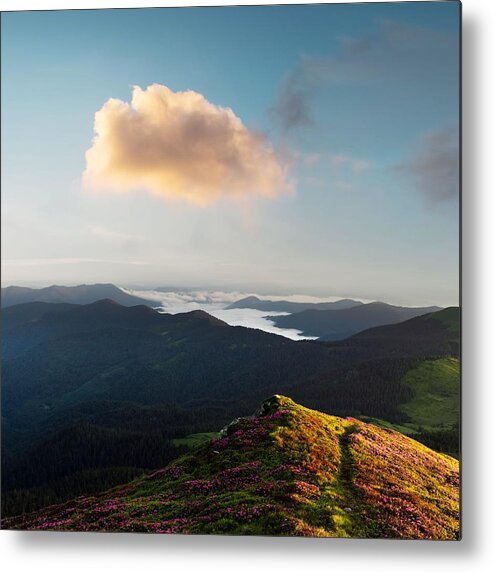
(287, 471)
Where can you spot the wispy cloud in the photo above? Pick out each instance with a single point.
(292, 109)
(312, 158)
(433, 166)
(115, 237)
(174, 300)
(394, 53)
(180, 146)
(337, 171)
(355, 165)
(336, 161)
(358, 166)
(20, 262)
(344, 185)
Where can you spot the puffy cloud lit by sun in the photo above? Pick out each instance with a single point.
(180, 146)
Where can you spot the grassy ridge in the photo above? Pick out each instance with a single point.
(433, 412)
(436, 401)
(287, 471)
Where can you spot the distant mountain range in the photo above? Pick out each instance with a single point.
(286, 471)
(82, 294)
(337, 324)
(94, 394)
(286, 306)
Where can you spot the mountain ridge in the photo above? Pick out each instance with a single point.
(286, 470)
(81, 294)
(140, 376)
(256, 303)
(331, 325)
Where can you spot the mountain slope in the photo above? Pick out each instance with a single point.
(287, 471)
(104, 351)
(119, 376)
(291, 307)
(449, 317)
(107, 351)
(339, 324)
(434, 334)
(26, 325)
(407, 374)
(436, 393)
(82, 294)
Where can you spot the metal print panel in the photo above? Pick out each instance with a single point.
(230, 270)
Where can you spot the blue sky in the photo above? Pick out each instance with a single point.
(372, 151)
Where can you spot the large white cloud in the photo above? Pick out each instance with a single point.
(180, 146)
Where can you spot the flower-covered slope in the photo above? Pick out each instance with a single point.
(286, 471)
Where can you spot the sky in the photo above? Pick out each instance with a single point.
(275, 149)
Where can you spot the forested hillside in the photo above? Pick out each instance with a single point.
(120, 385)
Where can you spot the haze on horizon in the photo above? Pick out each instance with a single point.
(318, 149)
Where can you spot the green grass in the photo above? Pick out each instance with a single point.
(289, 471)
(195, 439)
(436, 401)
(434, 411)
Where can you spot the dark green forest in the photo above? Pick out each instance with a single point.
(94, 395)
